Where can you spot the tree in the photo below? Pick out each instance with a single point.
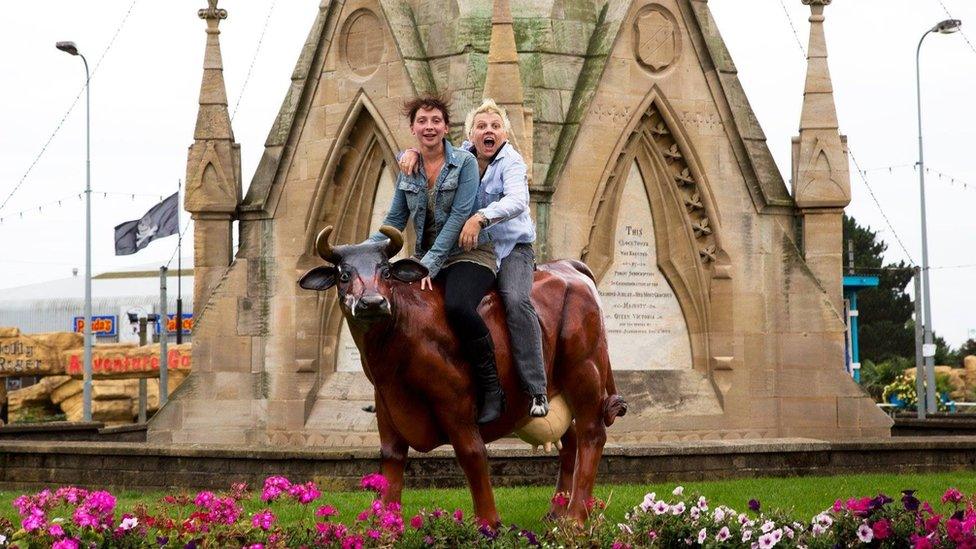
(966, 349)
(885, 312)
(886, 327)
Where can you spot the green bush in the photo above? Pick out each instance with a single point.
(876, 375)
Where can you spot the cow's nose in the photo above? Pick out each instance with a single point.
(371, 302)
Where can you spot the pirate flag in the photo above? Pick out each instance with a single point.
(161, 220)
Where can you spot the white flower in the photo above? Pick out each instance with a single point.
(788, 531)
(719, 514)
(767, 526)
(660, 507)
(743, 518)
(702, 503)
(695, 513)
(648, 502)
(702, 534)
(823, 519)
(678, 508)
(678, 490)
(624, 528)
(723, 534)
(129, 523)
(777, 534)
(3, 538)
(865, 533)
(818, 529)
(766, 541)
(746, 535)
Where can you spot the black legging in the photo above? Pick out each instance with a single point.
(465, 283)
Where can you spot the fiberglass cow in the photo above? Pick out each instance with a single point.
(424, 389)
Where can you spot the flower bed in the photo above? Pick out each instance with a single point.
(74, 518)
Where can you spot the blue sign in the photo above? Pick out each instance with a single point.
(187, 324)
(102, 325)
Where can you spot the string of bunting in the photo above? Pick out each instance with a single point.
(71, 107)
(60, 202)
(940, 175)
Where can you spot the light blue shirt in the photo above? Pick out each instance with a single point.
(503, 198)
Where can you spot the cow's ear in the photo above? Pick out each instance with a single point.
(408, 270)
(319, 278)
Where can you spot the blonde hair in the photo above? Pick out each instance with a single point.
(488, 106)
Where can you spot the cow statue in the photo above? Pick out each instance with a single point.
(424, 389)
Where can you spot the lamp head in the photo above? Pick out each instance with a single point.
(948, 26)
(69, 47)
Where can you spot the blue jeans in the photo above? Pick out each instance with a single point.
(515, 287)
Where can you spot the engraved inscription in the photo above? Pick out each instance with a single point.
(645, 326)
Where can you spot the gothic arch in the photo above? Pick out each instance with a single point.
(361, 158)
(686, 224)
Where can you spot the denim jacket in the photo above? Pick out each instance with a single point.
(454, 202)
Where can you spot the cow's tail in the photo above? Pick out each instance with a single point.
(614, 406)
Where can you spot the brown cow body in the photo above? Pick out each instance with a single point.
(424, 389)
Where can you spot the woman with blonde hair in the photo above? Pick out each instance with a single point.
(502, 211)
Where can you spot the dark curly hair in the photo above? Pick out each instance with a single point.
(428, 101)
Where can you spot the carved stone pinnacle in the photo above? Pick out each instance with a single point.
(212, 12)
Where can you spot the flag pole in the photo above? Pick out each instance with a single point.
(179, 271)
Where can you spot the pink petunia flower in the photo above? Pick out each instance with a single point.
(458, 515)
(766, 541)
(882, 529)
(952, 495)
(723, 534)
(702, 536)
(417, 522)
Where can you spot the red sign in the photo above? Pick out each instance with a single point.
(119, 363)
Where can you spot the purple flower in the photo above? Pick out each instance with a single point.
(417, 522)
(530, 536)
(326, 511)
(754, 505)
(458, 515)
(162, 540)
(909, 500)
(56, 530)
(304, 493)
(263, 520)
(66, 543)
(375, 482)
(273, 487)
(204, 499)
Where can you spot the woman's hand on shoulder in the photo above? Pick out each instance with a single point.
(409, 162)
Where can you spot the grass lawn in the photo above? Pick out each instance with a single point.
(803, 496)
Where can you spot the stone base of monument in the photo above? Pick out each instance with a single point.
(26, 465)
(338, 420)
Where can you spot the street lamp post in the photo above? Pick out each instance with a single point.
(948, 26)
(72, 48)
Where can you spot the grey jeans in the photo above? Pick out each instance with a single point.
(515, 285)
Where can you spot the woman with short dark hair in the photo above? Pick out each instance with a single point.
(441, 197)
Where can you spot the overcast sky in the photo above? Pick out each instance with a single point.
(144, 98)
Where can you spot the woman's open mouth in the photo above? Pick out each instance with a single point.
(489, 142)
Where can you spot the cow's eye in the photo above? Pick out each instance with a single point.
(344, 276)
(385, 271)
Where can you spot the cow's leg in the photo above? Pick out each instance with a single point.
(393, 454)
(472, 456)
(585, 397)
(567, 464)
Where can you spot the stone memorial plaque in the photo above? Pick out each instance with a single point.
(645, 327)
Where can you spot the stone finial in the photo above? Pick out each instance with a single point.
(503, 83)
(820, 171)
(211, 12)
(213, 164)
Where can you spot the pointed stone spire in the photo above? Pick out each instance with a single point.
(503, 82)
(213, 168)
(820, 174)
(821, 179)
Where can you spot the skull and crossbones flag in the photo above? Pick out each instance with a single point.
(161, 220)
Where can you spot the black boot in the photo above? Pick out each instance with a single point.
(491, 399)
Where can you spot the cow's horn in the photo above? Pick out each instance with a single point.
(396, 240)
(324, 248)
